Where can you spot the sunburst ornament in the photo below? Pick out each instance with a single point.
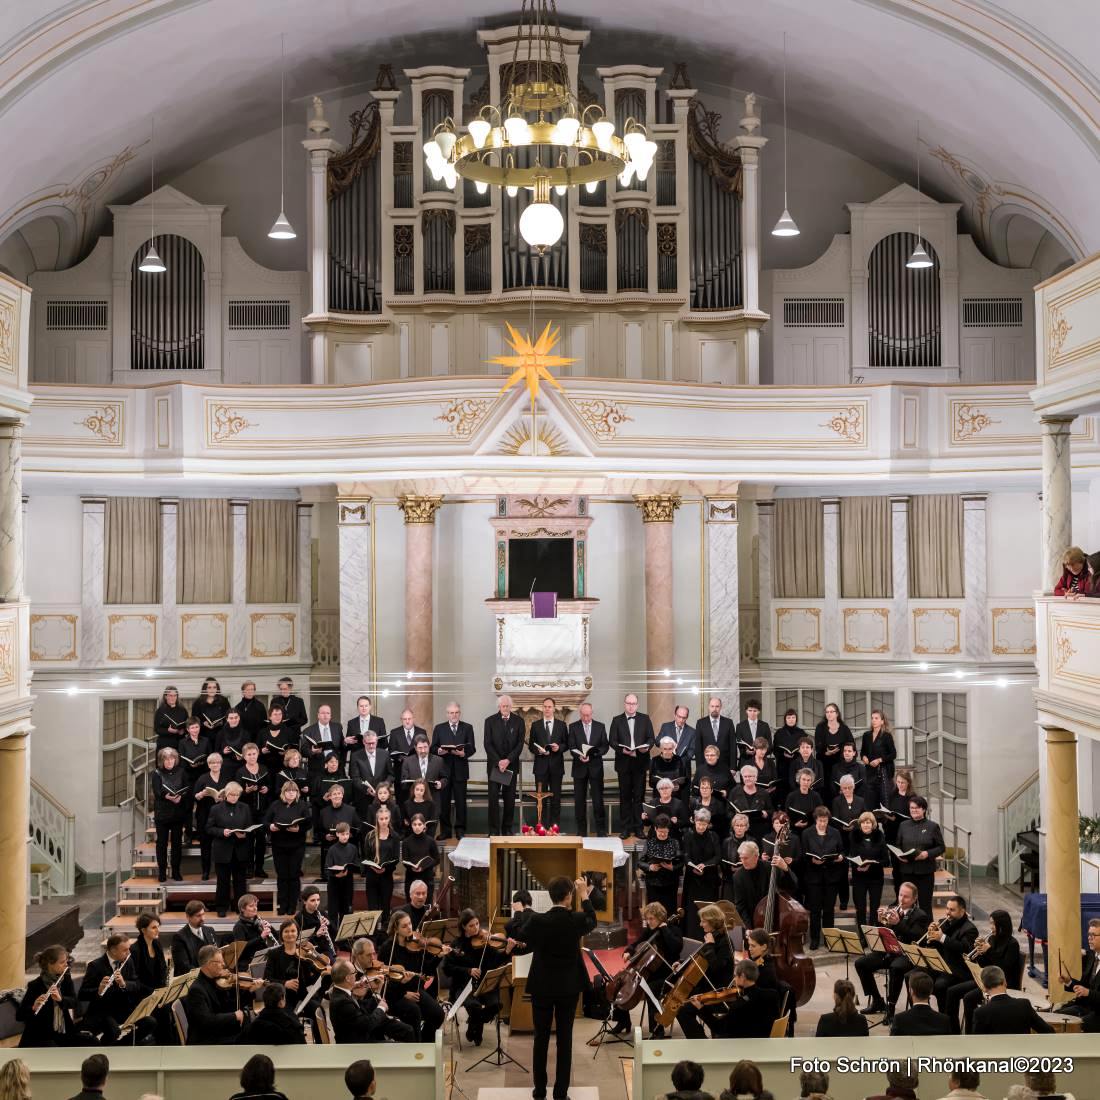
(532, 363)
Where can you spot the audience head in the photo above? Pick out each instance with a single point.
(15, 1080)
(812, 1082)
(844, 1002)
(93, 1071)
(920, 985)
(1040, 1082)
(274, 995)
(359, 1079)
(964, 1079)
(258, 1074)
(1074, 560)
(898, 1080)
(687, 1076)
(993, 979)
(745, 1077)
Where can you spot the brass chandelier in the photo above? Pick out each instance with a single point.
(566, 146)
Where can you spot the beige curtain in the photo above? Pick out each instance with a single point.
(866, 549)
(131, 554)
(204, 552)
(272, 551)
(936, 547)
(798, 553)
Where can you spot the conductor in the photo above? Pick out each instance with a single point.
(557, 977)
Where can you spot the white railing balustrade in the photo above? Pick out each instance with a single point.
(52, 830)
(1016, 814)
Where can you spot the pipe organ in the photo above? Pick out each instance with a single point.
(166, 310)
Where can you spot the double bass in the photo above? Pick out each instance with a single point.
(786, 921)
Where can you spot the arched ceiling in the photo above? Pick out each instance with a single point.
(1006, 93)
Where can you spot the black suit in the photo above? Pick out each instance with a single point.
(437, 773)
(1087, 1007)
(363, 1021)
(315, 752)
(556, 979)
(549, 770)
(750, 1016)
(631, 770)
(211, 1013)
(1005, 1015)
(401, 745)
(743, 739)
(186, 947)
(457, 771)
(274, 1027)
(104, 1014)
(921, 1019)
(503, 742)
(588, 776)
(353, 733)
(361, 773)
(704, 735)
(909, 929)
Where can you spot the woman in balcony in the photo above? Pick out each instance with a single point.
(1075, 580)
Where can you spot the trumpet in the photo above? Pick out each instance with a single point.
(937, 924)
(885, 911)
(981, 945)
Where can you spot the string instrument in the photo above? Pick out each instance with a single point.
(308, 953)
(238, 981)
(386, 972)
(497, 940)
(718, 996)
(683, 982)
(625, 989)
(431, 945)
(787, 922)
(436, 906)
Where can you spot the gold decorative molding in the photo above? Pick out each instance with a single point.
(464, 416)
(550, 440)
(852, 613)
(9, 328)
(950, 613)
(257, 618)
(813, 614)
(1063, 648)
(584, 636)
(105, 422)
(602, 418)
(419, 509)
(7, 653)
(549, 685)
(193, 616)
(354, 515)
(848, 424)
(38, 623)
(721, 513)
(1000, 613)
(498, 684)
(1058, 329)
(146, 655)
(500, 635)
(970, 421)
(658, 507)
(541, 507)
(226, 423)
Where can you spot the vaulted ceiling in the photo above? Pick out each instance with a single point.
(1007, 93)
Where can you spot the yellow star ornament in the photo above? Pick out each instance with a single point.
(532, 360)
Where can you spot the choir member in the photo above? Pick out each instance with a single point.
(829, 735)
(170, 719)
(805, 759)
(587, 746)
(211, 707)
(252, 711)
(548, 740)
(109, 992)
(171, 809)
(666, 805)
(358, 1014)
(718, 808)
(191, 938)
(1000, 948)
(764, 764)
(747, 731)
(785, 744)
(631, 738)
(802, 801)
(702, 859)
(683, 736)
(286, 822)
(749, 800)
(382, 848)
(953, 937)
(667, 939)
(414, 1000)
(364, 723)
(869, 857)
(719, 957)
(401, 740)
(470, 959)
(731, 858)
(211, 1015)
(846, 809)
(367, 767)
(920, 841)
(909, 923)
(49, 1002)
(711, 767)
(849, 765)
(503, 742)
(419, 801)
(194, 749)
(661, 862)
(275, 739)
(877, 754)
(292, 771)
(341, 863)
(255, 784)
(895, 809)
(320, 742)
(284, 965)
(433, 771)
(230, 742)
(385, 795)
(335, 812)
(294, 710)
(666, 764)
(419, 855)
(227, 824)
(823, 866)
(714, 728)
(453, 745)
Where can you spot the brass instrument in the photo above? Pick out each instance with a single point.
(937, 924)
(981, 945)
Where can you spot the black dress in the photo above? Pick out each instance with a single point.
(833, 1026)
(422, 1014)
(211, 713)
(867, 884)
(878, 781)
(823, 867)
(463, 958)
(379, 883)
(282, 967)
(288, 850)
(169, 724)
(420, 857)
(663, 884)
(703, 850)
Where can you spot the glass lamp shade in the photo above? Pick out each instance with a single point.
(566, 130)
(627, 174)
(519, 133)
(561, 188)
(450, 175)
(481, 186)
(445, 142)
(512, 190)
(643, 162)
(541, 225)
(433, 157)
(603, 131)
(634, 140)
(479, 131)
(920, 257)
(591, 186)
(282, 230)
(152, 262)
(785, 227)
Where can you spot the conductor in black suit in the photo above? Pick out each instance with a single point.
(631, 737)
(1002, 1014)
(503, 743)
(548, 735)
(453, 743)
(557, 977)
(714, 728)
(587, 748)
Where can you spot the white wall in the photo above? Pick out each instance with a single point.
(54, 530)
(1014, 566)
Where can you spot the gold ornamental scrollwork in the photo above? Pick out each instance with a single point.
(227, 423)
(1064, 651)
(517, 440)
(1058, 329)
(658, 507)
(971, 421)
(602, 418)
(464, 416)
(8, 322)
(103, 423)
(721, 513)
(500, 635)
(848, 424)
(354, 515)
(419, 509)
(542, 507)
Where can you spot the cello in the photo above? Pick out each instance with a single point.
(625, 989)
(786, 922)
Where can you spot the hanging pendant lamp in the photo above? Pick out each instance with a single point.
(282, 230)
(152, 263)
(920, 258)
(785, 227)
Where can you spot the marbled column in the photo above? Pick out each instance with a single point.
(14, 812)
(305, 583)
(238, 614)
(170, 631)
(976, 611)
(11, 511)
(23, 517)
(722, 603)
(1061, 855)
(765, 520)
(1057, 509)
(419, 566)
(657, 513)
(320, 149)
(899, 549)
(93, 622)
(749, 148)
(353, 518)
(830, 627)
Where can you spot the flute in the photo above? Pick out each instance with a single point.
(46, 995)
(115, 971)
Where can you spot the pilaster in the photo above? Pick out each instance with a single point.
(723, 635)
(305, 583)
(976, 612)
(353, 518)
(11, 511)
(169, 520)
(1057, 503)
(419, 512)
(765, 522)
(899, 543)
(1061, 856)
(658, 511)
(93, 625)
(831, 617)
(238, 615)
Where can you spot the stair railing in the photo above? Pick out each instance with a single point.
(52, 830)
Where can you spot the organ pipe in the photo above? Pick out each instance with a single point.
(903, 306)
(167, 310)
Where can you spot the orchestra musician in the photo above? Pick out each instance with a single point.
(1086, 990)
(1003, 1014)
(169, 720)
(150, 967)
(413, 1000)
(719, 975)
(747, 731)
(417, 905)
(275, 1025)
(250, 929)
(191, 938)
(382, 848)
(453, 744)
(312, 920)
(908, 922)
(953, 937)
(49, 1003)
(522, 912)
(588, 746)
(212, 1015)
(473, 954)
(548, 741)
(714, 728)
(287, 820)
(752, 1012)
(758, 949)
(823, 866)
(253, 713)
(503, 742)
(291, 965)
(661, 862)
(631, 738)
(230, 848)
(359, 1013)
(702, 860)
(109, 993)
(750, 881)
(1000, 948)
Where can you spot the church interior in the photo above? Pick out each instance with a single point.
(647, 444)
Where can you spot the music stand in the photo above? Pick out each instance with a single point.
(491, 981)
(884, 945)
(927, 958)
(841, 941)
(362, 923)
(143, 1010)
(975, 971)
(441, 928)
(231, 952)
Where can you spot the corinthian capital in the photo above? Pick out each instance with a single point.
(658, 507)
(419, 509)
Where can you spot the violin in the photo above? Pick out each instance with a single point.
(232, 980)
(497, 940)
(718, 996)
(625, 989)
(310, 954)
(433, 945)
(386, 973)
